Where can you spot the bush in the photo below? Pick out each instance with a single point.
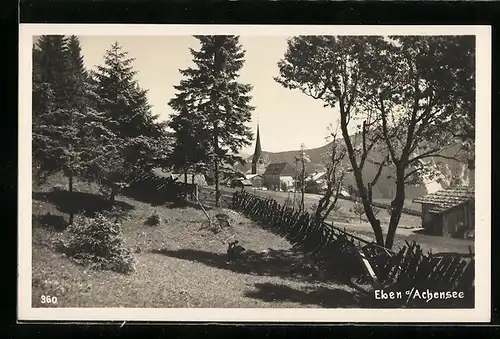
(154, 220)
(97, 242)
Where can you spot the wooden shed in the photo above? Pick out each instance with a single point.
(241, 183)
(255, 179)
(448, 212)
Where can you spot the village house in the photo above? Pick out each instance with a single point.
(256, 180)
(448, 212)
(278, 173)
(241, 183)
(318, 180)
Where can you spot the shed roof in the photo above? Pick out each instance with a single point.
(244, 182)
(447, 198)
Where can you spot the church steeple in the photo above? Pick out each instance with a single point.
(257, 155)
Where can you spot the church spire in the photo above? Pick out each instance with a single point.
(257, 154)
(258, 149)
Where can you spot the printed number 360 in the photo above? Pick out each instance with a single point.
(47, 299)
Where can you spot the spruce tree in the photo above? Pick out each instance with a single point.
(67, 133)
(217, 101)
(138, 134)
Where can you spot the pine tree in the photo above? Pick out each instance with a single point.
(117, 94)
(217, 101)
(191, 141)
(67, 133)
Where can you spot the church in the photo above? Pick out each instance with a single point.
(258, 162)
(272, 176)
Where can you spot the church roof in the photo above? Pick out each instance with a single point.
(258, 148)
(281, 168)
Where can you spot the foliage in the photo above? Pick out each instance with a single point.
(97, 242)
(284, 186)
(398, 94)
(134, 140)
(212, 100)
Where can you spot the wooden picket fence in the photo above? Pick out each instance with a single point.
(408, 268)
(333, 249)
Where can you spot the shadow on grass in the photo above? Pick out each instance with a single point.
(55, 222)
(322, 296)
(80, 201)
(161, 198)
(149, 196)
(279, 263)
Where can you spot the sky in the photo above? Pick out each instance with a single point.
(287, 118)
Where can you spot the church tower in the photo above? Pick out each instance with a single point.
(258, 165)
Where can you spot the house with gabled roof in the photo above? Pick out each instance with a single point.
(448, 212)
(255, 179)
(278, 173)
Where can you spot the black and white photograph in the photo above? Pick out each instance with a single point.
(254, 173)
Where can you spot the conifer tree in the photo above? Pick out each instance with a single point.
(67, 133)
(217, 101)
(129, 119)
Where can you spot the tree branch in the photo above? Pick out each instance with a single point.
(385, 132)
(379, 171)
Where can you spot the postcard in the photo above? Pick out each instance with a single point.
(254, 173)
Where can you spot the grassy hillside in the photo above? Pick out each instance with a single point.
(180, 263)
(385, 186)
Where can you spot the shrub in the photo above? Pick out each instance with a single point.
(154, 219)
(358, 209)
(97, 242)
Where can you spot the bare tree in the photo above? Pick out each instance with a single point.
(334, 177)
(302, 158)
(401, 94)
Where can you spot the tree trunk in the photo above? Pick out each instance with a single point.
(396, 208)
(216, 167)
(302, 186)
(72, 202)
(358, 176)
(195, 188)
(112, 196)
(185, 184)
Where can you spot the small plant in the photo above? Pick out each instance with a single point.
(289, 202)
(313, 207)
(283, 186)
(154, 219)
(97, 242)
(358, 209)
